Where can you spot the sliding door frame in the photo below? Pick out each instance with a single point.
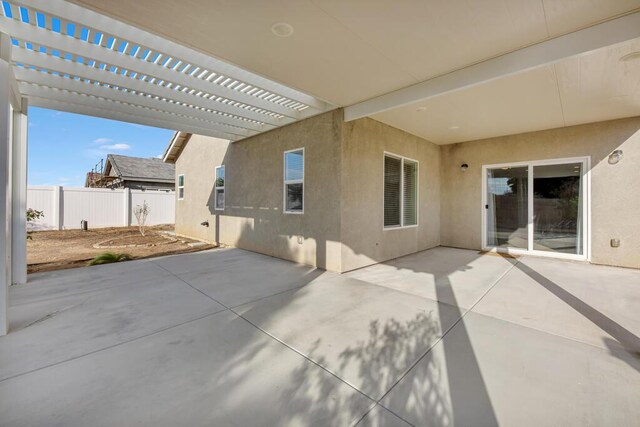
(586, 208)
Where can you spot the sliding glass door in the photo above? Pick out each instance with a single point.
(537, 207)
(508, 207)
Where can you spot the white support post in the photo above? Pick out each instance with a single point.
(127, 207)
(19, 196)
(57, 214)
(5, 214)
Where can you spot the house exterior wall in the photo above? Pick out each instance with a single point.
(615, 199)
(197, 162)
(253, 217)
(365, 241)
(341, 228)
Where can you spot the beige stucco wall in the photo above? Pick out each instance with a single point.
(364, 239)
(253, 217)
(341, 228)
(197, 162)
(615, 194)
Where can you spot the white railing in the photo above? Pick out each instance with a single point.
(65, 207)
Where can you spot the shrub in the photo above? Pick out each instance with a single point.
(33, 215)
(108, 258)
(141, 213)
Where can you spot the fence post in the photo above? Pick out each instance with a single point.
(57, 214)
(127, 207)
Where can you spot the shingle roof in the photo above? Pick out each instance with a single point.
(136, 168)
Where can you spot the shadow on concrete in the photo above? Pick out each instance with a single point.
(627, 339)
(445, 388)
(387, 351)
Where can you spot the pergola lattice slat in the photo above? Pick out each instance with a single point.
(128, 97)
(89, 51)
(87, 56)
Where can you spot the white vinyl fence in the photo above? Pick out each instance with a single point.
(65, 207)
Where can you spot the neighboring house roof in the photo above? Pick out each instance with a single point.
(139, 169)
(175, 147)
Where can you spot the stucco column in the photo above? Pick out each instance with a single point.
(19, 196)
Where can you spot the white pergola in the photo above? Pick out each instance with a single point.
(57, 55)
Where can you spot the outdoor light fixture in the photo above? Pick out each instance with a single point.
(282, 29)
(615, 157)
(630, 56)
(464, 167)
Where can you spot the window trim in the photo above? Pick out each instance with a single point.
(216, 188)
(292, 181)
(179, 187)
(402, 160)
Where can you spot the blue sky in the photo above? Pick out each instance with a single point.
(63, 147)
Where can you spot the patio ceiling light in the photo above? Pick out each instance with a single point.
(282, 29)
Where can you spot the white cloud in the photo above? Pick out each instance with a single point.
(102, 140)
(116, 147)
(159, 156)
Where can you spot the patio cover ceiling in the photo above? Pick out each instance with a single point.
(382, 59)
(68, 58)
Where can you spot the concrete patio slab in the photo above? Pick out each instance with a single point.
(46, 332)
(219, 370)
(380, 417)
(368, 335)
(144, 343)
(597, 305)
(489, 372)
(235, 277)
(62, 283)
(463, 275)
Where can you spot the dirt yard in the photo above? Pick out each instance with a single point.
(58, 250)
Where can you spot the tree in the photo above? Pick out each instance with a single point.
(142, 212)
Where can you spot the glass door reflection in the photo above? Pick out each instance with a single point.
(557, 208)
(507, 207)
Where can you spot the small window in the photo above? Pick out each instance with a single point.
(180, 187)
(400, 192)
(294, 181)
(219, 188)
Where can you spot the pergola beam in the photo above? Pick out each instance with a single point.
(108, 25)
(63, 66)
(76, 104)
(612, 32)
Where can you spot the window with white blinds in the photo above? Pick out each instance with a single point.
(400, 191)
(294, 181)
(410, 193)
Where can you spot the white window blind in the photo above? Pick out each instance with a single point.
(219, 188)
(400, 191)
(410, 193)
(294, 181)
(392, 191)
